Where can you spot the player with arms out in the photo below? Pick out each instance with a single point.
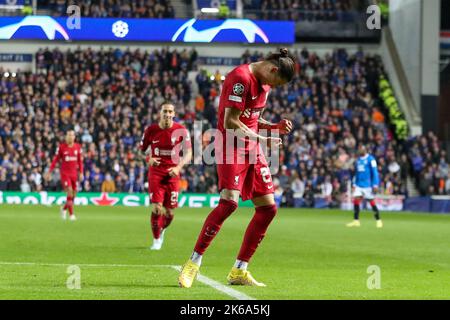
(365, 185)
(164, 141)
(242, 101)
(69, 156)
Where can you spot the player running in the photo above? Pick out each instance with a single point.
(365, 185)
(166, 139)
(242, 100)
(69, 155)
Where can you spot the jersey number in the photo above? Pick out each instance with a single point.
(173, 197)
(266, 176)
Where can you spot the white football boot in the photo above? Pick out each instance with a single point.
(63, 213)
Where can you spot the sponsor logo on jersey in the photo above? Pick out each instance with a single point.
(235, 98)
(69, 158)
(166, 152)
(251, 113)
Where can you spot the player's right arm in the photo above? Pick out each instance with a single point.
(235, 90)
(232, 122)
(355, 172)
(55, 160)
(144, 145)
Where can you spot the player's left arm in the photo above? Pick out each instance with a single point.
(175, 171)
(284, 126)
(80, 164)
(374, 174)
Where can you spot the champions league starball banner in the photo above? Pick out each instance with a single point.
(148, 30)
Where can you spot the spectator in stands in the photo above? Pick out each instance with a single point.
(113, 8)
(3, 180)
(317, 10)
(108, 184)
(14, 183)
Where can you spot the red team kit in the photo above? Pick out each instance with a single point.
(165, 144)
(71, 164)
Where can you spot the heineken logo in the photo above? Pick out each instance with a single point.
(105, 199)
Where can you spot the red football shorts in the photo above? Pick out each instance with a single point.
(164, 189)
(252, 180)
(69, 181)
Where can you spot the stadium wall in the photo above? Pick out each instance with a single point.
(418, 48)
(407, 40)
(220, 50)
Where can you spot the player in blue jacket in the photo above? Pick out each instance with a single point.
(365, 185)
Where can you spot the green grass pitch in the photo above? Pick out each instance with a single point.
(307, 254)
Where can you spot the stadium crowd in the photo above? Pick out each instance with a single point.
(429, 165)
(112, 8)
(111, 95)
(304, 10)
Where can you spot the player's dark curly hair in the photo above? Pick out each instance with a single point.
(285, 63)
(166, 102)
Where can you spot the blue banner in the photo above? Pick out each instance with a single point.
(15, 57)
(14, 3)
(152, 30)
(219, 61)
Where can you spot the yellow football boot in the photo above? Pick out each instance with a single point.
(354, 224)
(188, 274)
(241, 277)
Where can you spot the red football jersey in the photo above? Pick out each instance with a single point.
(241, 90)
(165, 144)
(70, 157)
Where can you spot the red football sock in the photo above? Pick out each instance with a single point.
(213, 223)
(66, 205)
(69, 205)
(156, 225)
(256, 231)
(167, 220)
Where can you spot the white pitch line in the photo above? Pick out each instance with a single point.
(220, 287)
(84, 265)
(209, 282)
